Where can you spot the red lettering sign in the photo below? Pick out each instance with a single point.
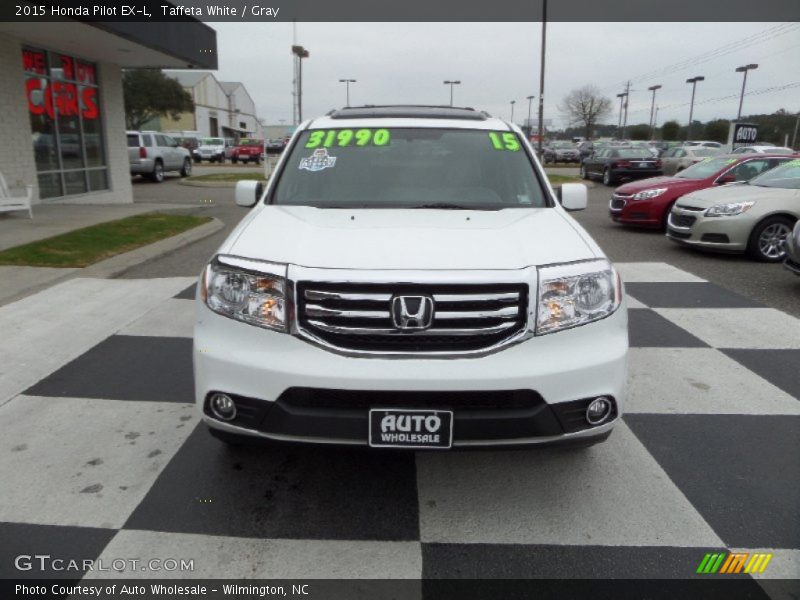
(60, 96)
(34, 62)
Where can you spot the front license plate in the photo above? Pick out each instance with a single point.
(408, 428)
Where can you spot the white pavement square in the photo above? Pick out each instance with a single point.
(75, 461)
(174, 318)
(654, 272)
(699, 381)
(611, 494)
(756, 328)
(215, 556)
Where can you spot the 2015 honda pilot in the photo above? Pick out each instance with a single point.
(408, 278)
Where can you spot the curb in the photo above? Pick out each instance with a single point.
(117, 265)
(213, 184)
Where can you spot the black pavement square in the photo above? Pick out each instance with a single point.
(648, 329)
(188, 293)
(549, 561)
(126, 367)
(780, 367)
(739, 472)
(57, 542)
(283, 491)
(687, 295)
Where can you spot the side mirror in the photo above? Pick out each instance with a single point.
(247, 193)
(574, 196)
(726, 179)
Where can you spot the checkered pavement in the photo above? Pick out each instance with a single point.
(102, 455)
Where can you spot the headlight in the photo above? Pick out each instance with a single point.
(250, 291)
(647, 194)
(575, 294)
(729, 210)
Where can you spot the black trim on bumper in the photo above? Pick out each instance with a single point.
(344, 414)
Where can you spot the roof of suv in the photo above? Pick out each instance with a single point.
(409, 116)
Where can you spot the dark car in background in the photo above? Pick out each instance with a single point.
(647, 203)
(615, 163)
(792, 246)
(556, 152)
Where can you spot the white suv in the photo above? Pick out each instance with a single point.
(409, 279)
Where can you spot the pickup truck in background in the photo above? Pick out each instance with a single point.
(248, 150)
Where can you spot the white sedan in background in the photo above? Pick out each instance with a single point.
(754, 217)
(763, 150)
(678, 158)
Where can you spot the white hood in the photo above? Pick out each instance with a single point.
(409, 238)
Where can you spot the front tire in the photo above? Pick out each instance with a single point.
(234, 160)
(187, 168)
(608, 179)
(157, 176)
(767, 240)
(584, 174)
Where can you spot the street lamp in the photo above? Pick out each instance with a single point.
(347, 82)
(300, 53)
(530, 100)
(619, 123)
(744, 69)
(693, 81)
(652, 106)
(451, 84)
(513, 102)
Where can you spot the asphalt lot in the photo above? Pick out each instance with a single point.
(769, 284)
(103, 455)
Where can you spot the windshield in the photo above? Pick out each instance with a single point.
(634, 153)
(249, 142)
(786, 176)
(706, 168)
(564, 145)
(704, 151)
(213, 142)
(409, 168)
(780, 151)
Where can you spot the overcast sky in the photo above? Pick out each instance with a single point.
(499, 62)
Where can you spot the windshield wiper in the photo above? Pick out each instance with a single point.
(444, 205)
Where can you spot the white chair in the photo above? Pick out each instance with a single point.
(10, 203)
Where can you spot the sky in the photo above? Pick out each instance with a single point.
(499, 62)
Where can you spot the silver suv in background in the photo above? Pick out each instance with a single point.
(151, 154)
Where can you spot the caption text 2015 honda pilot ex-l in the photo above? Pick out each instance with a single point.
(409, 279)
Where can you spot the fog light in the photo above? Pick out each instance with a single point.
(598, 410)
(222, 407)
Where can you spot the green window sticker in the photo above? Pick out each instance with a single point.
(794, 163)
(329, 138)
(504, 140)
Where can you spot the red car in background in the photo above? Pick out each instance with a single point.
(248, 150)
(647, 202)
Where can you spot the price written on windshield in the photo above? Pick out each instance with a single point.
(348, 137)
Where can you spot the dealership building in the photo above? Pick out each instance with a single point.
(61, 101)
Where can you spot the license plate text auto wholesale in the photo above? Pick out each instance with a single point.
(402, 428)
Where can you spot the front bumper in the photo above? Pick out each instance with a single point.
(647, 213)
(636, 173)
(723, 234)
(271, 374)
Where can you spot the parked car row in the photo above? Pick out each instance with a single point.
(739, 203)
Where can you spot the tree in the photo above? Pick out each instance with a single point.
(586, 106)
(149, 94)
(717, 130)
(670, 130)
(639, 132)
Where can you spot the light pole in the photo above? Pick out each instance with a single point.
(530, 101)
(693, 81)
(541, 75)
(744, 69)
(347, 82)
(513, 102)
(652, 107)
(619, 123)
(451, 84)
(300, 53)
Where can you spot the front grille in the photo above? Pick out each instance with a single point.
(679, 235)
(683, 220)
(617, 203)
(357, 317)
(716, 238)
(693, 208)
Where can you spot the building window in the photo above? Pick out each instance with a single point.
(64, 105)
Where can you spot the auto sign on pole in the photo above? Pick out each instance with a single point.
(742, 134)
